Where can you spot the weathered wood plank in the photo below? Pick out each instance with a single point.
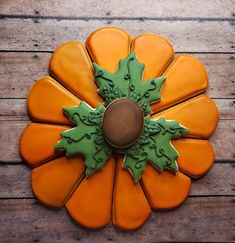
(226, 108)
(220, 69)
(15, 181)
(214, 183)
(208, 219)
(186, 36)
(15, 109)
(18, 71)
(223, 140)
(10, 131)
(121, 8)
(196, 30)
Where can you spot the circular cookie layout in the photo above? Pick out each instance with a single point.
(122, 123)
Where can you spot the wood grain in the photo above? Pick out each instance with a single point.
(18, 71)
(15, 181)
(186, 36)
(10, 131)
(30, 31)
(201, 219)
(121, 8)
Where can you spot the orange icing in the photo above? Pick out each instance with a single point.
(38, 140)
(130, 206)
(71, 65)
(53, 182)
(46, 100)
(196, 156)
(185, 77)
(107, 46)
(198, 114)
(154, 51)
(165, 190)
(90, 205)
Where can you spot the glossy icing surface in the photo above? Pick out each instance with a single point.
(122, 131)
(154, 145)
(90, 205)
(185, 78)
(46, 100)
(130, 206)
(127, 82)
(165, 190)
(71, 66)
(154, 51)
(86, 138)
(198, 114)
(37, 142)
(54, 182)
(107, 46)
(196, 156)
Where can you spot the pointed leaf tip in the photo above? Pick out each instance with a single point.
(95, 65)
(58, 145)
(185, 130)
(89, 172)
(136, 179)
(161, 80)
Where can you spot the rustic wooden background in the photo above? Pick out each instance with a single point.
(29, 32)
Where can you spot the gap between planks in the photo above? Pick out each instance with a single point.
(15, 182)
(177, 32)
(177, 52)
(22, 69)
(198, 219)
(223, 140)
(139, 18)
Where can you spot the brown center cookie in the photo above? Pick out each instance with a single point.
(123, 123)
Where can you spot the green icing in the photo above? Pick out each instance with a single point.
(86, 138)
(154, 144)
(127, 83)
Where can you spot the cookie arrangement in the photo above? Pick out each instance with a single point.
(120, 131)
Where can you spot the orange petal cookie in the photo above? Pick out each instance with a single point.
(195, 156)
(130, 206)
(46, 100)
(185, 77)
(53, 182)
(198, 114)
(38, 140)
(71, 65)
(90, 205)
(107, 46)
(165, 190)
(154, 51)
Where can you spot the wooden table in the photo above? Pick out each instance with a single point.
(31, 29)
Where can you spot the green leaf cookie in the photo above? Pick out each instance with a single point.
(127, 83)
(86, 138)
(154, 145)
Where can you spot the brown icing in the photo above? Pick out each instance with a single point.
(122, 123)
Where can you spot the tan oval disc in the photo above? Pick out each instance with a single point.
(122, 123)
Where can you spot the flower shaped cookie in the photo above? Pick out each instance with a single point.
(82, 167)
